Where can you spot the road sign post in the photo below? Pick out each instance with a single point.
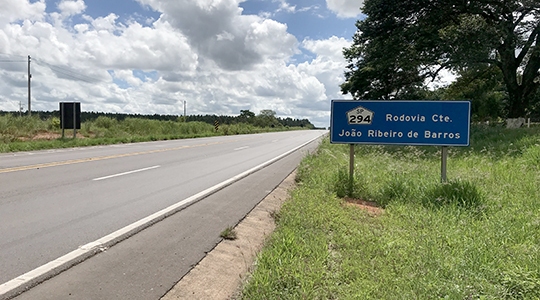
(417, 123)
(444, 159)
(351, 168)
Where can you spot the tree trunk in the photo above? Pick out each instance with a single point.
(517, 103)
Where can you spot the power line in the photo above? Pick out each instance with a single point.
(4, 57)
(68, 73)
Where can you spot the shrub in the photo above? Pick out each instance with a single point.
(462, 194)
(105, 122)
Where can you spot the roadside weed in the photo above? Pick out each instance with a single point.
(229, 233)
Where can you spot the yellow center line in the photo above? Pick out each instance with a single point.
(91, 159)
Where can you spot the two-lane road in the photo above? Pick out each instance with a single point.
(53, 202)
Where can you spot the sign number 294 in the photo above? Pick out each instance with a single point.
(359, 116)
(359, 119)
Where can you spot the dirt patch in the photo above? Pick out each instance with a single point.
(222, 272)
(49, 136)
(46, 136)
(371, 207)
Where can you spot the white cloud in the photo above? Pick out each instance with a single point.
(331, 48)
(15, 10)
(345, 8)
(327, 67)
(128, 77)
(107, 23)
(285, 6)
(206, 23)
(70, 8)
(206, 53)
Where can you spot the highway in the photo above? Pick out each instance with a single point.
(59, 201)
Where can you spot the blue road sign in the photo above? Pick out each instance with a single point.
(433, 123)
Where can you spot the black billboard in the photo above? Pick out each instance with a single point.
(70, 115)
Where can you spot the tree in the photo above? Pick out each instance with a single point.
(267, 113)
(246, 116)
(267, 118)
(484, 87)
(402, 45)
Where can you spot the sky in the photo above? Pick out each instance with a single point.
(152, 56)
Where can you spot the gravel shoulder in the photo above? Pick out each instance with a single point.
(221, 273)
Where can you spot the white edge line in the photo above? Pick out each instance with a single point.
(32, 278)
(241, 148)
(125, 173)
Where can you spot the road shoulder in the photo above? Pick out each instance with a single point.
(221, 273)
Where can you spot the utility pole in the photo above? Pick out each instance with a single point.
(185, 111)
(29, 92)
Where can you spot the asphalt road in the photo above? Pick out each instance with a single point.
(52, 202)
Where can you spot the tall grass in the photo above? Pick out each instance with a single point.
(476, 237)
(25, 134)
(13, 128)
(130, 127)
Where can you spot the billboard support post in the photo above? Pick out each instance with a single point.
(74, 121)
(62, 118)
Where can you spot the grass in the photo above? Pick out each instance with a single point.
(475, 237)
(19, 133)
(229, 233)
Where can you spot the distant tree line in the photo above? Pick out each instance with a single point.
(267, 118)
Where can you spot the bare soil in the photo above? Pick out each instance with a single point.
(371, 207)
(49, 136)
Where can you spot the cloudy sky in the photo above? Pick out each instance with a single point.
(149, 56)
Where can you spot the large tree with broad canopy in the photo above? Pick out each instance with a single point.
(402, 45)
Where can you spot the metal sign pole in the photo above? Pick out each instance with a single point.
(74, 120)
(62, 118)
(351, 168)
(444, 158)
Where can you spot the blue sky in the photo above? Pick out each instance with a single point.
(148, 56)
(312, 20)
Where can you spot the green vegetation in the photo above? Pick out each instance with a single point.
(34, 133)
(493, 47)
(229, 233)
(266, 118)
(476, 237)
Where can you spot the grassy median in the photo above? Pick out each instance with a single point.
(475, 237)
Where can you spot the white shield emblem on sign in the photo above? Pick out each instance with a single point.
(360, 116)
